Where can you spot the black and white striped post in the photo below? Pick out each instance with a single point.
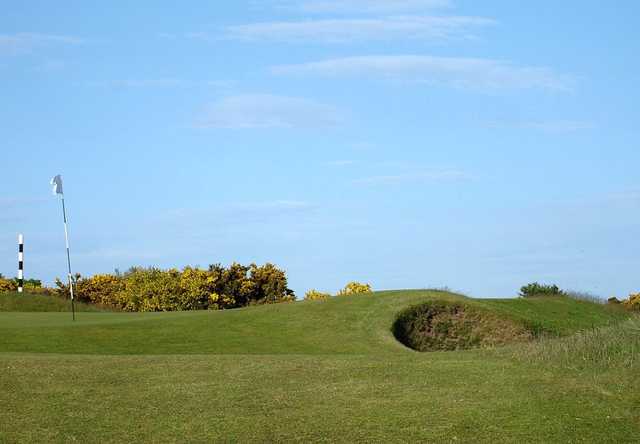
(20, 263)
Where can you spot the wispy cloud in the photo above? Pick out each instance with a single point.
(140, 83)
(162, 83)
(364, 6)
(464, 73)
(124, 254)
(268, 111)
(558, 126)
(629, 196)
(242, 213)
(14, 209)
(350, 30)
(340, 163)
(51, 66)
(434, 175)
(11, 202)
(272, 206)
(547, 126)
(26, 41)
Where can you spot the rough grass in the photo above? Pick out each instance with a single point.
(616, 346)
(304, 372)
(26, 302)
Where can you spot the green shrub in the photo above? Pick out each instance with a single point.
(354, 288)
(314, 295)
(535, 289)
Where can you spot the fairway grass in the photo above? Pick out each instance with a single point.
(308, 372)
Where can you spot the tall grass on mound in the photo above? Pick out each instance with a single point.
(585, 296)
(614, 346)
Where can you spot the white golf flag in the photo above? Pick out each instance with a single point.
(57, 184)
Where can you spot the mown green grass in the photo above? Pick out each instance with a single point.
(308, 372)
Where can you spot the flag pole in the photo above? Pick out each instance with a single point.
(66, 239)
(57, 190)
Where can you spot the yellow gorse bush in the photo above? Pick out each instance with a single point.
(153, 289)
(99, 289)
(633, 303)
(7, 285)
(354, 288)
(314, 295)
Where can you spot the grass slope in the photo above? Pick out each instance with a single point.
(347, 325)
(26, 302)
(309, 371)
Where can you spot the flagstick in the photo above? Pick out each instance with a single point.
(66, 238)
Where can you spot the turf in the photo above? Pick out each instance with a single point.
(309, 371)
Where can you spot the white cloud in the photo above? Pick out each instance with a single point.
(366, 6)
(349, 30)
(26, 42)
(421, 176)
(268, 111)
(463, 73)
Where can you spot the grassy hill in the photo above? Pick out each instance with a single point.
(316, 371)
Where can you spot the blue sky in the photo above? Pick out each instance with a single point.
(406, 143)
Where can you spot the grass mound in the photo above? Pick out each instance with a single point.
(343, 325)
(26, 302)
(437, 325)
